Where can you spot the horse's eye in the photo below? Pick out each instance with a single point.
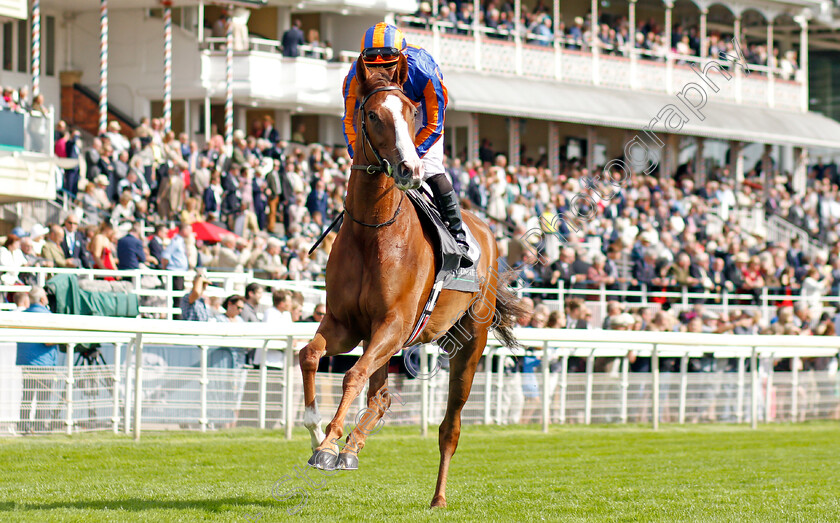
(372, 116)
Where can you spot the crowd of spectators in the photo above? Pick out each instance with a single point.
(498, 21)
(137, 202)
(271, 199)
(19, 100)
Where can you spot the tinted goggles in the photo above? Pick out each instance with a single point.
(380, 55)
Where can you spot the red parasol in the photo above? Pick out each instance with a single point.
(206, 232)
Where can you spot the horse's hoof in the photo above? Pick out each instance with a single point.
(347, 461)
(438, 502)
(323, 459)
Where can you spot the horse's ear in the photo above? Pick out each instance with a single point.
(361, 71)
(402, 71)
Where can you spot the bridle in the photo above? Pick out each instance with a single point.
(382, 165)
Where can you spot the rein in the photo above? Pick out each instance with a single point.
(383, 166)
(377, 225)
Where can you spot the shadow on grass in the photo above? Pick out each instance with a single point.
(137, 505)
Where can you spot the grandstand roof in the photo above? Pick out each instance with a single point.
(634, 110)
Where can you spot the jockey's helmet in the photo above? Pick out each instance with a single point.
(382, 44)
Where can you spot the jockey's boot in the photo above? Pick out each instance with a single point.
(450, 211)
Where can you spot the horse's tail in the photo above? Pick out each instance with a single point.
(509, 308)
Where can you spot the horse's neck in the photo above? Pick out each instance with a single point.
(371, 198)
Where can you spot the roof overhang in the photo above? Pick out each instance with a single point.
(563, 102)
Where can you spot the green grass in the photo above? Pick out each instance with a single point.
(695, 473)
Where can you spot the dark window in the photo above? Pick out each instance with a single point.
(8, 38)
(23, 46)
(48, 58)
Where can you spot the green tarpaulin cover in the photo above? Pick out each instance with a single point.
(70, 299)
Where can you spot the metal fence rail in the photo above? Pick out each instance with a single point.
(136, 388)
(157, 294)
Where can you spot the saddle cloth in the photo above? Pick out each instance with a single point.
(449, 275)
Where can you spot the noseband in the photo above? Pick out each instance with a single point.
(383, 166)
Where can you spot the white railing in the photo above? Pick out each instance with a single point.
(158, 298)
(481, 48)
(264, 45)
(782, 231)
(462, 46)
(133, 390)
(679, 298)
(156, 288)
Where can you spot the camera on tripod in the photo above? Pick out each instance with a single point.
(88, 355)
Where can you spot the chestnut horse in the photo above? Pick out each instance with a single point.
(380, 274)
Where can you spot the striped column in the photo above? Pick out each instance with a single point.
(554, 148)
(36, 48)
(513, 142)
(229, 85)
(167, 65)
(472, 137)
(103, 66)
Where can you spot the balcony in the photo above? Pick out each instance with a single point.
(481, 49)
(261, 73)
(26, 157)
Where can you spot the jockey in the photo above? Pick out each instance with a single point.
(381, 47)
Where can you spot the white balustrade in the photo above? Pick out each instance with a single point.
(619, 395)
(456, 47)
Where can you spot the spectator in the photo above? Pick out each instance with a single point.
(124, 211)
(193, 306)
(37, 385)
(575, 318)
(130, 250)
(318, 313)
(174, 256)
(74, 243)
(227, 255)
(279, 316)
(102, 247)
(268, 131)
(269, 264)
(233, 307)
(317, 201)
(52, 251)
(11, 257)
(21, 300)
(191, 213)
(292, 39)
(253, 295)
(156, 246)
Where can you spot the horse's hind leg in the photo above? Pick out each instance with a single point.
(378, 403)
(461, 373)
(335, 338)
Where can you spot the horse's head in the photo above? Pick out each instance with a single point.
(386, 118)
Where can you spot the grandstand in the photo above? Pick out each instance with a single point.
(119, 123)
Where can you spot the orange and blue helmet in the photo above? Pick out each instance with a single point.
(382, 45)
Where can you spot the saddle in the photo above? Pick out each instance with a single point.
(449, 273)
(447, 251)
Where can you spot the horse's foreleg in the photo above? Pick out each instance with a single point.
(383, 344)
(309, 358)
(330, 336)
(379, 401)
(461, 374)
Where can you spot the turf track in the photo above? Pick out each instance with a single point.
(691, 473)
